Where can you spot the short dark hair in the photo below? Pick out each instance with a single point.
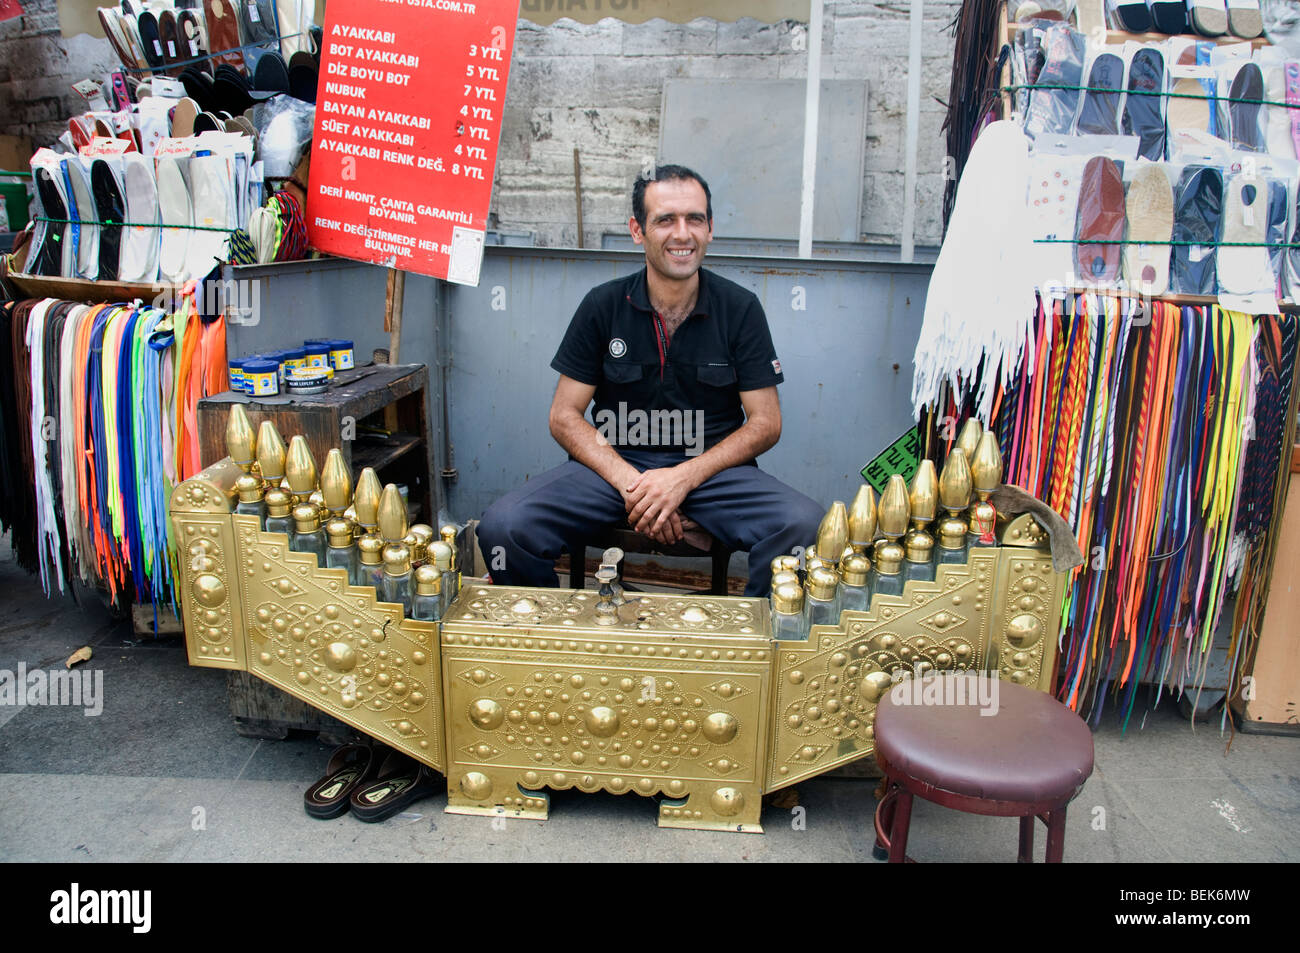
(665, 173)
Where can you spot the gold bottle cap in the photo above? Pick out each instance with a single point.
(833, 533)
(425, 533)
(428, 581)
(271, 453)
(784, 578)
(366, 499)
(923, 495)
(787, 599)
(392, 514)
(440, 553)
(894, 508)
(812, 561)
(241, 442)
(278, 502)
(249, 488)
(306, 518)
(397, 559)
(419, 552)
(862, 517)
(920, 547)
(317, 499)
(969, 437)
(822, 582)
(300, 468)
(889, 559)
(955, 482)
(952, 533)
(340, 533)
(785, 564)
(855, 569)
(987, 468)
(371, 549)
(336, 482)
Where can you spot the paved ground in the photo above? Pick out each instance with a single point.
(160, 775)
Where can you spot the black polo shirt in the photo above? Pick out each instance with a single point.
(617, 343)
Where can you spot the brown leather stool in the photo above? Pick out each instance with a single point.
(1028, 759)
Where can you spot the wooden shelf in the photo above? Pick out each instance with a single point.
(372, 450)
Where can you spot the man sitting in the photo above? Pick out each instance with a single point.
(680, 364)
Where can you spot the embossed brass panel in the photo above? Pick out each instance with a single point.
(200, 511)
(337, 648)
(671, 699)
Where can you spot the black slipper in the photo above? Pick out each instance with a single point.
(110, 207)
(303, 82)
(1142, 114)
(271, 75)
(1100, 113)
(1243, 118)
(230, 96)
(1198, 214)
(1170, 16)
(350, 767)
(1133, 15)
(401, 781)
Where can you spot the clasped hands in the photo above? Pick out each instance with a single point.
(652, 499)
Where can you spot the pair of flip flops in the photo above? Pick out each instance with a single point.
(372, 781)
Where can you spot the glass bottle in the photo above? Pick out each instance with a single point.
(341, 554)
(440, 557)
(426, 605)
(788, 622)
(370, 563)
(920, 548)
(307, 536)
(821, 599)
(424, 533)
(887, 577)
(250, 498)
(855, 593)
(419, 554)
(277, 510)
(397, 576)
(986, 471)
(448, 534)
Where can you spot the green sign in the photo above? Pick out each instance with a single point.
(902, 456)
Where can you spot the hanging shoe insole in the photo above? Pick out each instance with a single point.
(1170, 16)
(223, 31)
(108, 20)
(1149, 208)
(49, 256)
(1245, 19)
(210, 189)
(1134, 15)
(183, 118)
(1243, 107)
(1099, 114)
(87, 231)
(1100, 219)
(1209, 17)
(1277, 125)
(271, 75)
(111, 208)
(174, 210)
(1277, 230)
(257, 20)
(139, 258)
(1244, 268)
(173, 52)
(1190, 108)
(1198, 206)
(206, 122)
(153, 49)
(1052, 110)
(189, 34)
(1142, 113)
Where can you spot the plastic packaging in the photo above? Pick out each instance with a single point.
(1053, 110)
(284, 127)
(1099, 112)
(1198, 208)
(1144, 106)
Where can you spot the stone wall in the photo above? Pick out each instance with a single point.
(599, 88)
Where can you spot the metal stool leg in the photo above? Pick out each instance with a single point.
(1026, 855)
(578, 565)
(1056, 835)
(720, 563)
(884, 820)
(898, 830)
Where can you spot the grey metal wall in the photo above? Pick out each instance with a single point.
(846, 355)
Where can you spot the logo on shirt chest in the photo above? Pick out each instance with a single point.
(617, 347)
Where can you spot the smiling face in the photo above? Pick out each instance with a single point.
(677, 228)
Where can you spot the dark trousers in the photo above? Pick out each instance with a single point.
(522, 534)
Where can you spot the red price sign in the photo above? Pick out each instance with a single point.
(408, 117)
